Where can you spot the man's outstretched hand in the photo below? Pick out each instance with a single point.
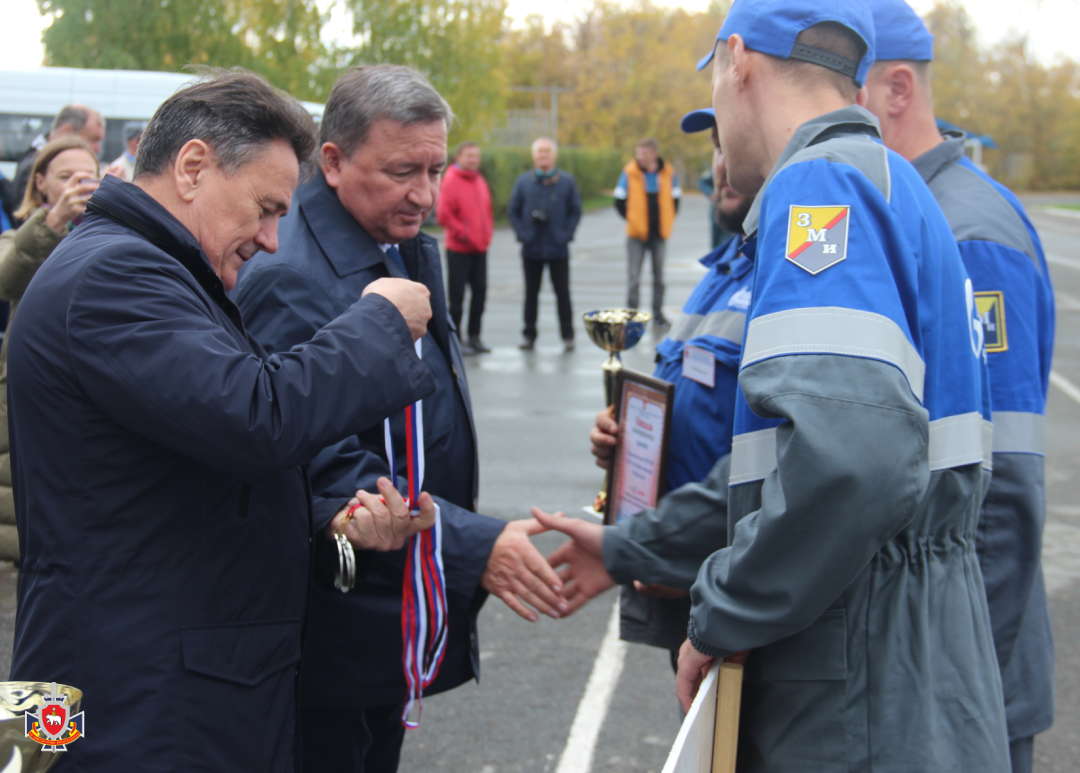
(518, 574)
(583, 574)
(589, 536)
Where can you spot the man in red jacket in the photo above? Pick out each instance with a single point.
(464, 210)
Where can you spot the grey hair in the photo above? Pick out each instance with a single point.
(538, 140)
(369, 93)
(74, 116)
(235, 112)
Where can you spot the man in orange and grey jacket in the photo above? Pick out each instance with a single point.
(647, 197)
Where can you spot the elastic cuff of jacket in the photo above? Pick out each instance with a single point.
(616, 552)
(703, 646)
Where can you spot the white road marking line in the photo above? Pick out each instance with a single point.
(1066, 386)
(1062, 261)
(1060, 211)
(577, 757)
(1066, 302)
(1061, 555)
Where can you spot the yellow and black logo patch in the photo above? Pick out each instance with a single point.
(991, 306)
(817, 237)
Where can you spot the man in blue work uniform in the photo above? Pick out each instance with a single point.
(383, 150)
(850, 585)
(1014, 296)
(707, 335)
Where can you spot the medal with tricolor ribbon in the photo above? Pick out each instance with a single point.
(423, 596)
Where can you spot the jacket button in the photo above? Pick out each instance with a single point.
(453, 369)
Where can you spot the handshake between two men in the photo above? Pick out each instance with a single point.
(516, 572)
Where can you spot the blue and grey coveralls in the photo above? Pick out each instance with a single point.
(857, 472)
(713, 319)
(1015, 298)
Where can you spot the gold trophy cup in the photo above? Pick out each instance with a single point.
(18, 752)
(614, 331)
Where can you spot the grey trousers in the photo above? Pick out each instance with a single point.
(635, 253)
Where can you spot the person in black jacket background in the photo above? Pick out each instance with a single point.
(544, 211)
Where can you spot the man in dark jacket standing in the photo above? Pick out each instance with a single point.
(545, 208)
(464, 210)
(164, 517)
(383, 150)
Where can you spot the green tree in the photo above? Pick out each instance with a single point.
(455, 43)
(280, 39)
(284, 45)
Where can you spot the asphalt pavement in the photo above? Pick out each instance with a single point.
(563, 695)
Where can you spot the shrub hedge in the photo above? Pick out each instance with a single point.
(596, 171)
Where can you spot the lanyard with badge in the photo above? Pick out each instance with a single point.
(423, 598)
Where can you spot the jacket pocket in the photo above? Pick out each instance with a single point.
(245, 653)
(238, 696)
(794, 708)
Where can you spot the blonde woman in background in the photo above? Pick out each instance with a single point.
(63, 178)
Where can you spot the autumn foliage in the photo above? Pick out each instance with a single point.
(628, 67)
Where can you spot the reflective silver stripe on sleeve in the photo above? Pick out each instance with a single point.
(835, 330)
(959, 440)
(988, 445)
(728, 325)
(753, 456)
(1019, 433)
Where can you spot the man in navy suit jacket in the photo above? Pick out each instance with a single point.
(383, 150)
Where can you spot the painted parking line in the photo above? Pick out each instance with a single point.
(577, 757)
(1061, 260)
(1066, 386)
(1061, 555)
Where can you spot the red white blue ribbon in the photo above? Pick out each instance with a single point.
(423, 596)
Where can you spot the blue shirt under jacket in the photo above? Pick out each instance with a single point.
(713, 318)
(324, 261)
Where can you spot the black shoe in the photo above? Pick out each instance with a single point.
(527, 344)
(477, 346)
(660, 322)
(568, 345)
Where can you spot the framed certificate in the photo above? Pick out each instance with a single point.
(639, 472)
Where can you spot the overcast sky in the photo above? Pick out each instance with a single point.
(1051, 24)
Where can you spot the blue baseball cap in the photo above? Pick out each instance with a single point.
(900, 32)
(698, 120)
(771, 26)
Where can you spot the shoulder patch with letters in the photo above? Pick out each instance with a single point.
(817, 236)
(991, 307)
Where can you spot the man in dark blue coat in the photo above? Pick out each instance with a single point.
(163, 513)
(544, 211)
(383, 138)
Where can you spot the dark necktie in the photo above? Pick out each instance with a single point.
(395, 256)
